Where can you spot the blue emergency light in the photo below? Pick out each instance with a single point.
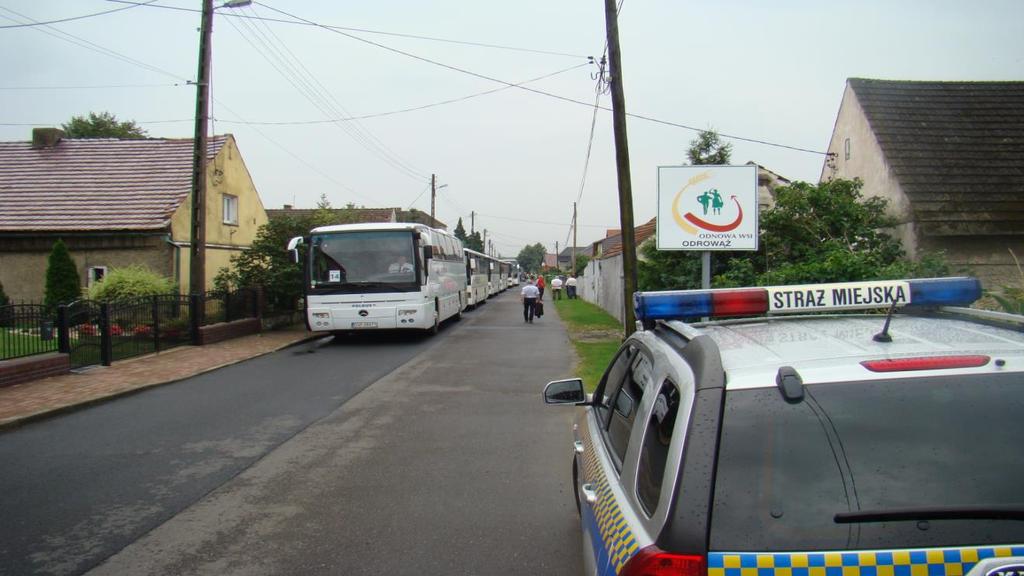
(682, 304)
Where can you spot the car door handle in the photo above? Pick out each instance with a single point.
(589, 494)
(578, 447)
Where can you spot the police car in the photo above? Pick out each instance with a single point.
(853, 444)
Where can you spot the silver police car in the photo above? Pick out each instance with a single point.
(796, 444)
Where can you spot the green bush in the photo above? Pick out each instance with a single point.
(63, 284)
(130, 282)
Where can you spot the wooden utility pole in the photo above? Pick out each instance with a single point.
(433, 196)
(622, 168)
(197, 252)
(472, 222)
(556, 256)
(573, 265)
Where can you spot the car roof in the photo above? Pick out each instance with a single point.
(830, 348)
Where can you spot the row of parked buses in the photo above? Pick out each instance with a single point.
(393, 276)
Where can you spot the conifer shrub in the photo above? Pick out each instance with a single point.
(63, 285)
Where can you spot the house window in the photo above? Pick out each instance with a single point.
(96, 273)
(846, 147)
(230, 209)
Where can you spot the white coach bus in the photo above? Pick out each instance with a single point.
(476, 277)
(381, 276)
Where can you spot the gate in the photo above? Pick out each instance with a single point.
(80, 332)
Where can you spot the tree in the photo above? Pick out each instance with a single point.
(531, 258)
(102, 125)
(708, 148)
(268, 264)
(130, 282)
(63, 284)
(475, 241)
(460, 231)
(581, 263)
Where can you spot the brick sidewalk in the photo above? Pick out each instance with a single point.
(28, 401)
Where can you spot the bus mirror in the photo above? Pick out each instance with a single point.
(428, 252)
(472, 264)
(295, 242)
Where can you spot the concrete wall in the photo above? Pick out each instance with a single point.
(858, 155)
(226, 174)
(23, 261)
(602, 284)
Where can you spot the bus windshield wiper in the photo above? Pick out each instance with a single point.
(932, 513)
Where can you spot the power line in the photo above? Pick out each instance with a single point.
(534, 90)
(559, 224)
(366, 31)
(99, 87)
(73, 18)
(416, 108)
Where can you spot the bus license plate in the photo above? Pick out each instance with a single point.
(364, 324)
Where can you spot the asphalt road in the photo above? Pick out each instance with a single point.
(347, 456)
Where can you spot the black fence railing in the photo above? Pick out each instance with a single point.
(26, 330)
(94, 332)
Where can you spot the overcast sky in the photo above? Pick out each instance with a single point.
(430, 81)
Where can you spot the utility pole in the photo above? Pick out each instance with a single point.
(472, 222)
(557, 265)
(575, 272)
(197, 253)
(622, 168)
(433, 196)
(485, 241)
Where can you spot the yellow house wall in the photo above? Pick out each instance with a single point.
(225, 174)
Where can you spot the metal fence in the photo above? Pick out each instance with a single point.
(94, 332)
(26, 330)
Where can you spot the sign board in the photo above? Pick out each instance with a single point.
(707, 208)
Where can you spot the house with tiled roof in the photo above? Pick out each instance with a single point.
(361, 215)
(116, 203)
(949, 157)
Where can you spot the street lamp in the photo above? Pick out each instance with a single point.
(197, 259)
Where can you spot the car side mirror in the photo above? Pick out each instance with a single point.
(565, 392)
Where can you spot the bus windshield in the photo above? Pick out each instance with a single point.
(364, 261)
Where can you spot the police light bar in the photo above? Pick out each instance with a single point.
(805, 298)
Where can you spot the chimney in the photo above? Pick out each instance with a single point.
(46, 137)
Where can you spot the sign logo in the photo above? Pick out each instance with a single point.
(712, 208)
(364, 313)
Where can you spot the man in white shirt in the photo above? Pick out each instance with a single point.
(528, 295)
(570, 287)
(556, 287)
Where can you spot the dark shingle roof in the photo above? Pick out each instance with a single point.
(613, 244)
(956, 148)
(95, 184)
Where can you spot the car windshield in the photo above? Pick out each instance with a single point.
(364, 260)
(923, 445)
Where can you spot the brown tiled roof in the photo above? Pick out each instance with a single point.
(613, 245)
(363, 215)
(95, 184)
(956, 148)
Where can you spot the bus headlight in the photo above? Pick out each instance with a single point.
(321, 315)
(406, 313)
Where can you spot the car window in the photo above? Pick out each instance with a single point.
(654, 450)
(608, 388)
(627, 400)
(785, 470)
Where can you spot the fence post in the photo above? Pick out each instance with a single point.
(106, 341)
(156, 323)
(63, 330)
(226, 302)
(194, 302)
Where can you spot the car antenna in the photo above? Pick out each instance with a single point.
(790, 384)
(884, 336)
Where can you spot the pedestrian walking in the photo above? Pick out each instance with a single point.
(570, 287)
(556, 288)
(540, 287)
(528, 296)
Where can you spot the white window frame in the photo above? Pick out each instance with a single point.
(91, 275)
(229, 209)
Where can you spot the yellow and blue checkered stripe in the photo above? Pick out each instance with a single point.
(921, 562)
(613, 540)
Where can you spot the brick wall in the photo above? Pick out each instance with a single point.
(227, 330)
(33, 367)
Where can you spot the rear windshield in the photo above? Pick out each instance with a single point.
(785, 470)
